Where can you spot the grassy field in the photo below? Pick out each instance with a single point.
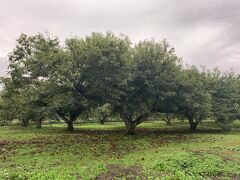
(97, 151)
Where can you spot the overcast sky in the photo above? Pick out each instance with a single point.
(203, 32)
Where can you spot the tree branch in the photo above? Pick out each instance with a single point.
(63, 117)
(142, 118)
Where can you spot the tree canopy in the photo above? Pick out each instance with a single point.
(109, 73)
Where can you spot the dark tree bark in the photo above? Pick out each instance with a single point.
(131, 124)
(70, 126)
(130, 127)
(69, 121)
(25, 123)
(39, 123)
(193, 124)
(102, 121)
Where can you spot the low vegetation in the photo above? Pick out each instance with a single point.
(96, 151)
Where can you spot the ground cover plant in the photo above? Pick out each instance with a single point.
(96, 151)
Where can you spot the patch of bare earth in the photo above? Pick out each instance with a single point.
(118, 171)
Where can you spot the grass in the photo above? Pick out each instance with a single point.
(97, 151)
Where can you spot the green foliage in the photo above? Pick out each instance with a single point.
(99, 66)
(193, 96)
(226, 98)
(3, 121)
(22, 96)
(102, 113)
(46, 78)
(65, 80)
(94, 73)
(154, 68)
(187, 165)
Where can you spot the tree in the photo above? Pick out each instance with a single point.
(2, 120)
(25, 104)
(226, 98)
(154, 67)
(68, 79)
(99, 66)
(28, 71)
(168, 118)
(13, 104)
(92, 74)
(103, 112)
(193, 97)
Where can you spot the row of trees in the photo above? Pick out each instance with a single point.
(100, 71)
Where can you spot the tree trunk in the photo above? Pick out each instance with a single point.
(57, 117)
(130, 128)
(69, 122)
(168, 122)
(70, 126)
(193, 125)
(131, 123)
(25, 123)
(39, 123)
(168, 119)
(102, 121)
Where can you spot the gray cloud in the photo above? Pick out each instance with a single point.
(203, 32)
(3, 66)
